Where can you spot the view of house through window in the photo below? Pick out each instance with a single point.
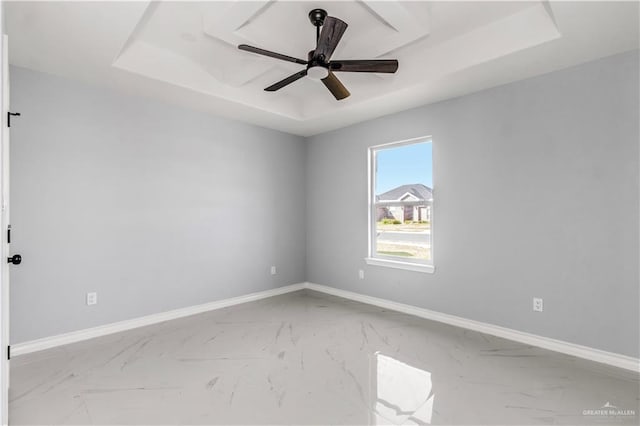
(402, 202)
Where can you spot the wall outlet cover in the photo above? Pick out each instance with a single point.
(92, 298)
(538, 304)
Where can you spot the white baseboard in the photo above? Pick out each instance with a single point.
(103, 330)
(585, 352)
(592, 354)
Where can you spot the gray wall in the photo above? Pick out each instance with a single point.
(152, 206)
(536, 194)
(156, 208)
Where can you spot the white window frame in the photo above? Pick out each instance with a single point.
(392, 261)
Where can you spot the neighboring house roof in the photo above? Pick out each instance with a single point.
(417, 190)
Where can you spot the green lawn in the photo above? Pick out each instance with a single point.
(396, 253)
(403, 227)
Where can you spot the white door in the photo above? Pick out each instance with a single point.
(4, 275)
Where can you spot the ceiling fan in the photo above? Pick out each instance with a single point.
(319, 63)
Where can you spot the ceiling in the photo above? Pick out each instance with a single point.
(185, 52)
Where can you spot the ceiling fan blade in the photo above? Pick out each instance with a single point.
(270, 54)
(332, 31)
(279, 85)
(336, 88)
(373, 65)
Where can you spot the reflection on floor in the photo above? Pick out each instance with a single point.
(307, 358)
(402, 392)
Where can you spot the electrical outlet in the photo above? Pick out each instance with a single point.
(273, 270)
(92, 299)
(537, 304)
(361, 274)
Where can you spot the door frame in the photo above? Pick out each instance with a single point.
(4, 222)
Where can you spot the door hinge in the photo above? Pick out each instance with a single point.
(9, 234)
(9, 114)
(9, 352)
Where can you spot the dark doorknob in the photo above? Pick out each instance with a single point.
(16, 259)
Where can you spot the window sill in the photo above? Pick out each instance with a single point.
(429, 269)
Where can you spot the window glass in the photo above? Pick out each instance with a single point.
(402, 202)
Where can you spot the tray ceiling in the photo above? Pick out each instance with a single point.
(185, 52)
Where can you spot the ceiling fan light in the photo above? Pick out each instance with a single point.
(317, 72)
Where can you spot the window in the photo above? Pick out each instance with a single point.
(401, 205)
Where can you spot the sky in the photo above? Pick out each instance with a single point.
(403, 165)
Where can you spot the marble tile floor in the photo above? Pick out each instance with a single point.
(309, 358)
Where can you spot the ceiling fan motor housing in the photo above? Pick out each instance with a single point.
(317, 68)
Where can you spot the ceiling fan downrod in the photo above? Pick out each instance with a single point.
(316, 16)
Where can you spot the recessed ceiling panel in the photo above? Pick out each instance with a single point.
(194, 45)
(186, 52)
